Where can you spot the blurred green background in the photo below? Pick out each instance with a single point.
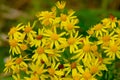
(89, 12)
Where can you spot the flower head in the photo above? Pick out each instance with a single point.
(61, 4)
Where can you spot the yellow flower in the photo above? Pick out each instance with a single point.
(54, 55)
(38, 70)
(39, 39)
(90, 31)
(28, 31)
(73, 68)
(8, 65)
(73, 42)
(104, 40)
(70, 25)
(53, 71)
(61, 5)
(110, 22)
(85, 52)
(41, 54)
(14, 46)
(55, 39)
(86, 75)
(113, 50)
(20, 61)
(14, 32)
(99, 29)
(64, 18)
(46, 17)
(95, 66)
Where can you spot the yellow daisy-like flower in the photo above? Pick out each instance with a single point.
(20, 61)
(99, 29)
(38, 70)
(40, 54)
(61, 5)
(15, 32)
(73, 42)
(90, 31)
(54, 55)
(46, 17)
(28, 31)
(14, 46)
(8, 65)
(39, 38)
(110, 22)
(85, 52)
(95, 67)
(66, 17)
(70, 25)
(72, 68)
(113, 50)
(53, 71)
(86, 75)
(104, 40)
(55, 39)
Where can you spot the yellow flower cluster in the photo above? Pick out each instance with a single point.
(54, 49)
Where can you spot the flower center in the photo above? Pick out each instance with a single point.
(73, 65)
(23, 47)
(70, 26)
(106, 38)
(46, 22)
(28, 29)
(12, 30)
(39, 37)
(40, 50)
(61, 66)
(13, 43)
(87, 75)
(98, 27)
(51, 71)
(94, 69)
(86, 48)
(54, 36)
(71, 41)
(18, 60)
(63, 17)
(113, 48)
